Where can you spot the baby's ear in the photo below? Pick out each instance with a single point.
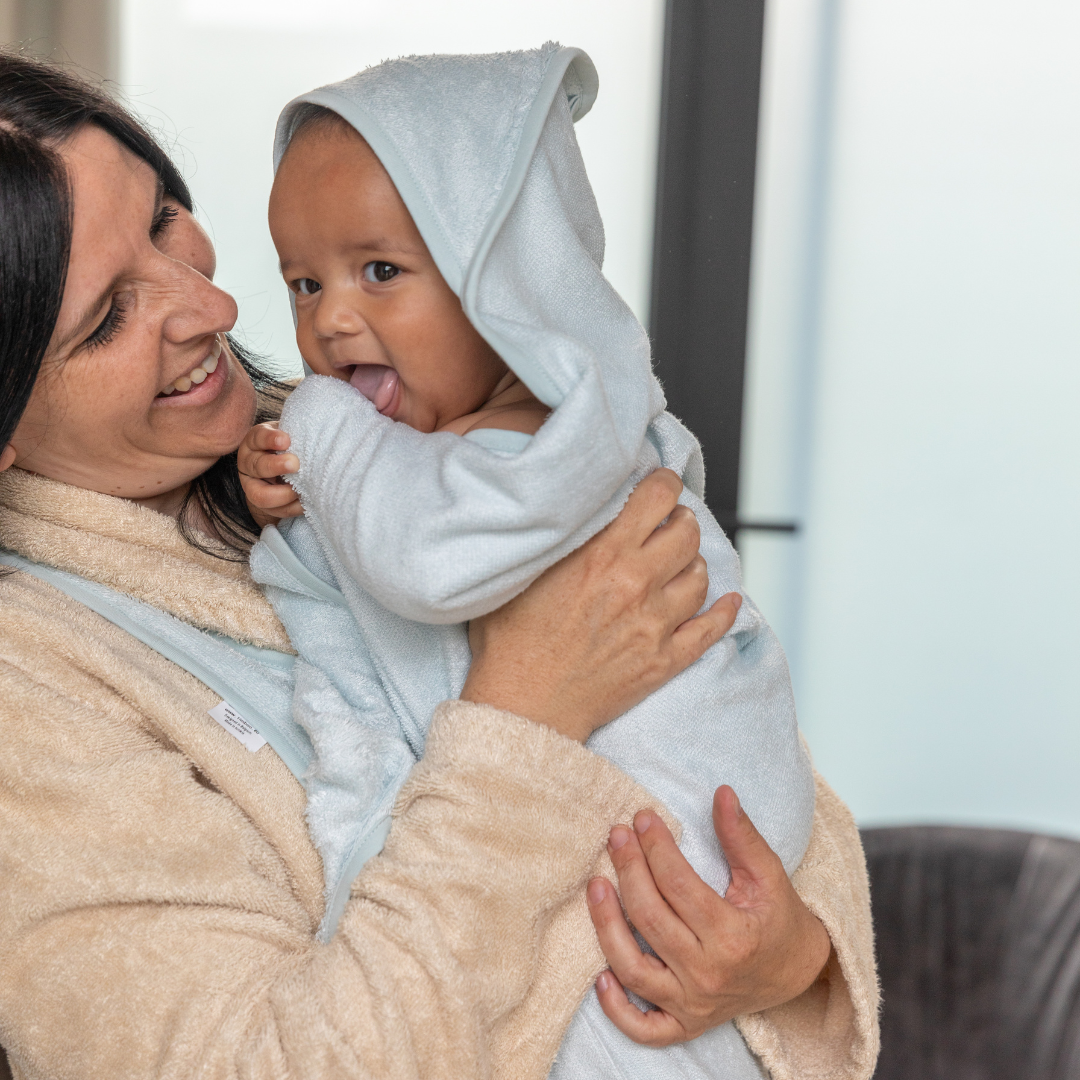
(7, 457)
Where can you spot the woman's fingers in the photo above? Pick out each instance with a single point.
(687, 591)
(646, 907)
(674, 545)
(649, 503)
(696, 636)
(617, 942)
(678, 882)
(754, 865)
(648, 976)
(653, 1028)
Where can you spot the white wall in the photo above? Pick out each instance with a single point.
(915, 389)
(212, 75)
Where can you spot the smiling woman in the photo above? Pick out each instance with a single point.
(146, 293)
(157, 318)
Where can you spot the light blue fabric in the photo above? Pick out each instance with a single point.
(418, 533)
(503, 442)
(258, 683)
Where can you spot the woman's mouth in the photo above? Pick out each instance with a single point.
(197, 374)
(203, 382)
(379, 384)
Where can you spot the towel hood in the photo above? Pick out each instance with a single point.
(482, 150)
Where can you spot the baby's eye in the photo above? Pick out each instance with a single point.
(306, 286)
(377, 272)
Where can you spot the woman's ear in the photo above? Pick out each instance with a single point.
(7, 457)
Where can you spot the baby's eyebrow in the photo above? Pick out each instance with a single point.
(381, 245)
(385, 244)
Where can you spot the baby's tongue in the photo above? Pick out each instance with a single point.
(376, 382)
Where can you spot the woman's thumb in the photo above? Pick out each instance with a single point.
(749, 856)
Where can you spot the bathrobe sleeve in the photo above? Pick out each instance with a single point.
(159, 894)
(831, 1032)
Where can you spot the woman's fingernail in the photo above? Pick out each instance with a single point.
(603, 981)
(619, 835)
(596, 891)
(738, 805)
(642, 823)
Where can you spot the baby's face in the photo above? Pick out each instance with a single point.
(372, 307)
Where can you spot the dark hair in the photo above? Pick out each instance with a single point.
(310, 117)
(217, 492)
(42, 105)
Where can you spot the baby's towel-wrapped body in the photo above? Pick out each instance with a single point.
(409, 535)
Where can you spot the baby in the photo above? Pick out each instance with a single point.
(480, 403)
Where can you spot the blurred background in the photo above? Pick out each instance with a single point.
(853, 227)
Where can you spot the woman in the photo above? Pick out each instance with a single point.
(160, 892)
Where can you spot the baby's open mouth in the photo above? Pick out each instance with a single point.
(197, 374)
(377, 383)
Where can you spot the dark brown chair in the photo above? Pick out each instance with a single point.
(978, 939)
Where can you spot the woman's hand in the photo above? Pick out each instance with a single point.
(608, 625)
(262, 462)
(717, 957)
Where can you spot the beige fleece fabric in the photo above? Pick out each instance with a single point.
(159, 893)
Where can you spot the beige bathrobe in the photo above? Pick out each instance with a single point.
(159, 893)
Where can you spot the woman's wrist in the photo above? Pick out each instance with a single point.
(495, 685)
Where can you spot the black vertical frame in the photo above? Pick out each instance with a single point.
(704, 225)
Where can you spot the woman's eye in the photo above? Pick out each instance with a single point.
(306, 286)
(378, 272)
(162, 220)
(109, 327)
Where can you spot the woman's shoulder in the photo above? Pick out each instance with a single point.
(60, 663)
(106, 740)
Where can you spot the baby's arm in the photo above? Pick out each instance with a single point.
(402, 510)
(261, 461)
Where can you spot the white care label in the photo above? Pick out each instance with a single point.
(237, 726)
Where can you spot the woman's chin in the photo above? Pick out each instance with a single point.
(208, 421)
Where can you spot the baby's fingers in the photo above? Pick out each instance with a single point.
(264, 466)
(268, 437)
(268, 496)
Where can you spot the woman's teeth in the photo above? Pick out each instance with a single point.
(196, 375)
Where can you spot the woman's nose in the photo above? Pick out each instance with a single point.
(199, 307)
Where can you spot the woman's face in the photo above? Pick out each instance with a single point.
(139, 312)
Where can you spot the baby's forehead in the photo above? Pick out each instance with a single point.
(326, 152)
(332, 191)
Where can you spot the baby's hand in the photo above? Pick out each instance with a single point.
(269, 498)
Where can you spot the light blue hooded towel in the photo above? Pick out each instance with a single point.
(408, 535)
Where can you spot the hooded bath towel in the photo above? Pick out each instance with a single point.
(407, 535)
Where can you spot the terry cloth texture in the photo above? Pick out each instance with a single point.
(407, 535)
(159, 891)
